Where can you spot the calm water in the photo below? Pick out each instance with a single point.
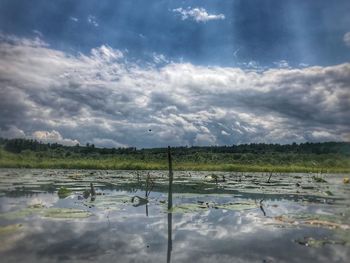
(217, 217)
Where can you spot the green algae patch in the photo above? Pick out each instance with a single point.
(188, 208)
(64, 192)
(37, 206)
(9, 229)
(42, 211)
(75, 176)
(65, 213)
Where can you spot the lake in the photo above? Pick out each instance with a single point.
(51, 216)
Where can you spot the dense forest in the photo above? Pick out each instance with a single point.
(333, 156)
(19, 145)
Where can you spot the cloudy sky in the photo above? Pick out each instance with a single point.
(155, 73)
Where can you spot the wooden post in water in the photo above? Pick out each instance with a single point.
(170, 192)
(92, 189)
(92, 192)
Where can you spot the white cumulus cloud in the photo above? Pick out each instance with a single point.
(197, 14)
(103, 98)
(91, 20)
(74, 19)
(53, 137)
(346, 39)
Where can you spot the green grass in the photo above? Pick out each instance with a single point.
(255, 163)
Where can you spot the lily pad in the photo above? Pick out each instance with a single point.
(237, 206)
(106, 202)
(187, 208)
(192, 208)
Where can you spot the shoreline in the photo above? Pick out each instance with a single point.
(178, 167)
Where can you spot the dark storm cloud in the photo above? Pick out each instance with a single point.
(314, 95)
(104, 99)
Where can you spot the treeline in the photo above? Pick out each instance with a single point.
(20, 145)
(263, 148)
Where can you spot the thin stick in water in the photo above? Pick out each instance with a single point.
(170, 192)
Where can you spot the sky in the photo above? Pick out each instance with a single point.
(121, 73)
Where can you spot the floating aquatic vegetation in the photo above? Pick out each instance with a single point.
(75, 176)
(329, 193)
(13, 215)
(37, 206)
(64, 192)
(9, 229)
(51, 212)
(317, 243)
(65, 213)
(238, 206)
(201, 205)
(319, 179)
(108, 202)
(187, 208)
(324, 221)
